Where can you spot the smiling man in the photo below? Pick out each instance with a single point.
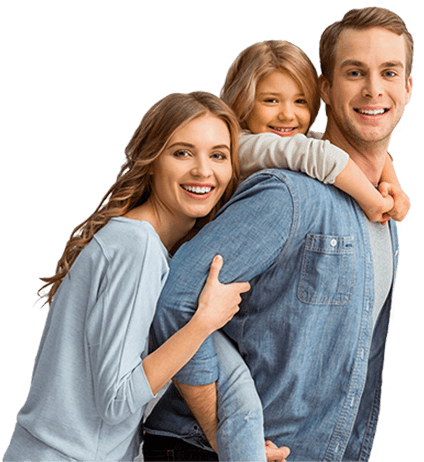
(313, 327)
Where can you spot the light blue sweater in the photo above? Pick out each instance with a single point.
(89, 389)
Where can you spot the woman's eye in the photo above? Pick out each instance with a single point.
(301, 101)
(181, 153)
(219, 156)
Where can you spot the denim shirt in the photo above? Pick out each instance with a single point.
(305, 327)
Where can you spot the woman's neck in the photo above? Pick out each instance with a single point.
(170, 227)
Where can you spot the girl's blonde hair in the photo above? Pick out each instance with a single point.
(260, 60)
(133, 184)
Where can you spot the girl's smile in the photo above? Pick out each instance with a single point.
(280, 107)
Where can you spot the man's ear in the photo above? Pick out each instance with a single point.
(324, 86)
(408, 89)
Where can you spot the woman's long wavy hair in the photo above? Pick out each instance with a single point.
(133, 184)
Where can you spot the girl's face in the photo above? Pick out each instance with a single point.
(193, 171)
(280, 107)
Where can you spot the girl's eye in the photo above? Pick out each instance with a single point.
(301, 101)
(270, 100)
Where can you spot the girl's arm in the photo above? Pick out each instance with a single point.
(390, 185)
(217, 305)
(317, 158)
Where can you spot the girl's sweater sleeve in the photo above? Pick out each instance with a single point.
(317, 158)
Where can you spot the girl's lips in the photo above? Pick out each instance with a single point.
(283, 131)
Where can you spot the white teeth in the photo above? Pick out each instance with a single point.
(374, 112)
(283, 129)
(198, 189)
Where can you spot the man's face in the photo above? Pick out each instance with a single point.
(369, 90)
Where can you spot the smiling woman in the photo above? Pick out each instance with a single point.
(189, 177)
(93, 374)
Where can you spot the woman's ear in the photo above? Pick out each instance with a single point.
(324, 86)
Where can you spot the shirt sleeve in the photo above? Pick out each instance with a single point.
(249, 233)
(317, 158)
(118, 329)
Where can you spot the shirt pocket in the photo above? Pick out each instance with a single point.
(328, 270)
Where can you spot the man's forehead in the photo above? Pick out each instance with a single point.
(369, 46)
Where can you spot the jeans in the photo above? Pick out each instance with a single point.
(240, 434)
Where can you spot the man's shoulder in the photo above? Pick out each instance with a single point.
(282, 179)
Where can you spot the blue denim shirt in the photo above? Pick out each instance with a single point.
(305, 328)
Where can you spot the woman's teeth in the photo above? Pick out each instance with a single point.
(198, 189)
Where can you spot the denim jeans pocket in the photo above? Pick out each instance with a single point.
(328, 270)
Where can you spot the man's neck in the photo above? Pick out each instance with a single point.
(370, 157)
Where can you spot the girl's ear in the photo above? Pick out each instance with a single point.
(324, 86)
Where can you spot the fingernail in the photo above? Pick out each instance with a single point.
(218, 257)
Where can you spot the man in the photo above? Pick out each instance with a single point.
(313, 327)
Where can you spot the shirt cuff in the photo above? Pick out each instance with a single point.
(199, 371)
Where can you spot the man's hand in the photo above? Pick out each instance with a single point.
(401, 200)
(274, 453)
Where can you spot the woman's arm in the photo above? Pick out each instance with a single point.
(217, 305)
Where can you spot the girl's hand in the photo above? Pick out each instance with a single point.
(401, 200)
(378, 208)
(218, 303)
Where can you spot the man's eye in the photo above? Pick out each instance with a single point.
(355, 73)
(390, 74)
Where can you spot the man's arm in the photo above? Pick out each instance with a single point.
(202, 402)
(250, 233)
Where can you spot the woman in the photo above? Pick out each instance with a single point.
(93, 376)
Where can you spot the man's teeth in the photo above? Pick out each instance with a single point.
(198, 189)
(371, 112)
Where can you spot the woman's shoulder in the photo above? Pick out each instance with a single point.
(129, 238)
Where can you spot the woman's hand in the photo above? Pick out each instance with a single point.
(218, 303)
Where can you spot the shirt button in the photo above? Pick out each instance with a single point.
(333, 242)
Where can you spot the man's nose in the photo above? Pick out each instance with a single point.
(373, 86)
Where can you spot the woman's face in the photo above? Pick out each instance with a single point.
(192, 173)
(280, 107)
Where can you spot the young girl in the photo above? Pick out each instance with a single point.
(93, 375)
(272, 87)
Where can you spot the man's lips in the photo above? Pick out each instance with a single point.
(371, 112)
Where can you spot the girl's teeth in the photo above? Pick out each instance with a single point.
(283, 129)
